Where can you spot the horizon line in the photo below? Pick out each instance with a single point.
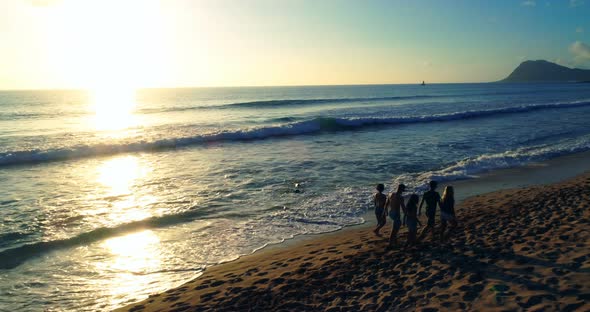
(251, 86)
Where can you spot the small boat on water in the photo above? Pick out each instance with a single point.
(423, 83)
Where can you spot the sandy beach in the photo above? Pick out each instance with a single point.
(518, 249)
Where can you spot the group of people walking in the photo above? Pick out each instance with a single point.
(393, 204)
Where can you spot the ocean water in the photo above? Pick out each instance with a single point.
(108, 197)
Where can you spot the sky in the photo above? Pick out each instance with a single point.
(47, 44)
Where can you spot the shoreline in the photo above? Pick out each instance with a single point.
(536, 173)
(241, 271)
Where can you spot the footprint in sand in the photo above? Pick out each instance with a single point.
(171, 298)
(137, 308)
(217, 283)
(180, 305)
(234, 290)
(208, 296)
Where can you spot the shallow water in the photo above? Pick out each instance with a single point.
(103, 204)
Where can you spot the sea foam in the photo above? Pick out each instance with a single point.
(318, 212)
(304, 127)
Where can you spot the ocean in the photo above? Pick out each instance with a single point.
(107, 198)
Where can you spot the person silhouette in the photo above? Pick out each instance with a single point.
(395, 201)
(412, 219)
(447, 211)
(379, 200)
(432, 198)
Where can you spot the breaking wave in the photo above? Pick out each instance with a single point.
(304, 127)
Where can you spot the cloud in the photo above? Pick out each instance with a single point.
(576, 3)
(580, 30)
(581, 51)
(529, 3)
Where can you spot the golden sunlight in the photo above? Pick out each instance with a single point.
(113, 108)
(118, 176)
(120, 173)
(109, 47)
(135, 251)
(133, 255)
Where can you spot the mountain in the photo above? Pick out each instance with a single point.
(543, 71)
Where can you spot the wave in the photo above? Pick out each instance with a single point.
(271, 104)
(13, 257)
(471, 167)
(305, 127)
(288, 103)
(317, 213)
(300, 102)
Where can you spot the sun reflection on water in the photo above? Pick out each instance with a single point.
(134, 259)
(120, 178)
(120, 173)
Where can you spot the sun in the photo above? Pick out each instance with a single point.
(113, 107)
(109, 43)
(110, 48)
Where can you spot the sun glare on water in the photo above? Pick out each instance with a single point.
(130, 260)
(119, 174)
(113, 108)
(133, 258)
(117, 178)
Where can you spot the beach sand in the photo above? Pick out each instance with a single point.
(518, 249)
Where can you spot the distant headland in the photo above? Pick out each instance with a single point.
(544, 71)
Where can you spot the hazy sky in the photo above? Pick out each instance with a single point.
(168, 43)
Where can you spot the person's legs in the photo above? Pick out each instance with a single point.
(443, 227)
(429, 227)
(393, 237)
(431, 223)
(453, 226)
(380, 221)
(423, 233)
(394, 230)
(380, 225)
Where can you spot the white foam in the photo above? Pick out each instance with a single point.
(315, 125)
(473, 166)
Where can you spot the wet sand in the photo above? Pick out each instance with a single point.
(518, 249)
